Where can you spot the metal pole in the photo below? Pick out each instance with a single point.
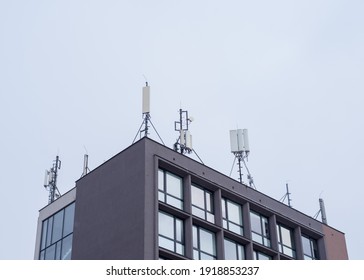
(323, 212)
(180, 128)
(288, 195)
(240, 174)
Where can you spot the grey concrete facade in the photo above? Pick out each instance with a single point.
(116, 214)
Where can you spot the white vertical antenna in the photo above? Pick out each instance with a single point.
(85, 165)
(146, 114)
(239, 144)
(146, 99)
(322, 211)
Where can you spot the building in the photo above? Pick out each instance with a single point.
(150, 202)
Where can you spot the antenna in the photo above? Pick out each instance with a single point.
(85, 165)
(322, 211)
(50, 181)
(146, 114)
(287, 195)
(239, 145)
(184, 141)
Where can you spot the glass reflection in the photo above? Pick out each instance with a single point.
(170, 231)
(204, 244)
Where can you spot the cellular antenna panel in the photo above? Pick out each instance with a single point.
(239, 141)
(236, 141)
(146, 99)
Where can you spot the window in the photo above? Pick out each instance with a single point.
(170, 231)
(233, 250)
(204, 244)
(56, 241)
(260, 256)
(232, 217)
(285, 241)
(310, 250)
(170, 189)
(260, 229)
(202, 203)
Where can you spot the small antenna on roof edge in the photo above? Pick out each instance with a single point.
(322, 211)
(85, 165)
(287, 195)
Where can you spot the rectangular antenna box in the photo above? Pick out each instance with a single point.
(146, 99)
(239, 140)
(186, 139)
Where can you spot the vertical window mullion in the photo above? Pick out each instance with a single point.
(198, 242)
(175, 233)
(262, 228)
(227, 214)
(165, 186)
(205, 203)
(280, 243)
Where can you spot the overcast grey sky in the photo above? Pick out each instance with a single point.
(71, 74)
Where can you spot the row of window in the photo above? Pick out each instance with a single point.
(171, 237)
(57, 231)
(170, 188)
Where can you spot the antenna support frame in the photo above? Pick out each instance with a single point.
(50, 181)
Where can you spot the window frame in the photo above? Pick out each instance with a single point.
(225, 216)
(282, 246)
(48, 243)
(264, 237)
(238, 246)
(208, 214)
(175, 240)
(196, 233)
(257, 253)
(313, 248)
(164, 195)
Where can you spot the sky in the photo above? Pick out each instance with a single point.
(291, 72)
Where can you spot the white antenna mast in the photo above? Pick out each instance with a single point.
(184, 141)
(85, 165)
(146, 114)
(322, 211)
(239, 144)
(50, 181)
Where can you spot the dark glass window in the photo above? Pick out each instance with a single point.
(171, 233)
(49, 231)
(69, 215)
(261, 256)
(57, 226)
(204, 244)
(285, 241)
(202, 203)
(44, 234)
(232, 216)
(56, 240)
(233, 250)
(50, 252)
(170, 189)
(66, 248)
(310, 250)
(260, 229)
